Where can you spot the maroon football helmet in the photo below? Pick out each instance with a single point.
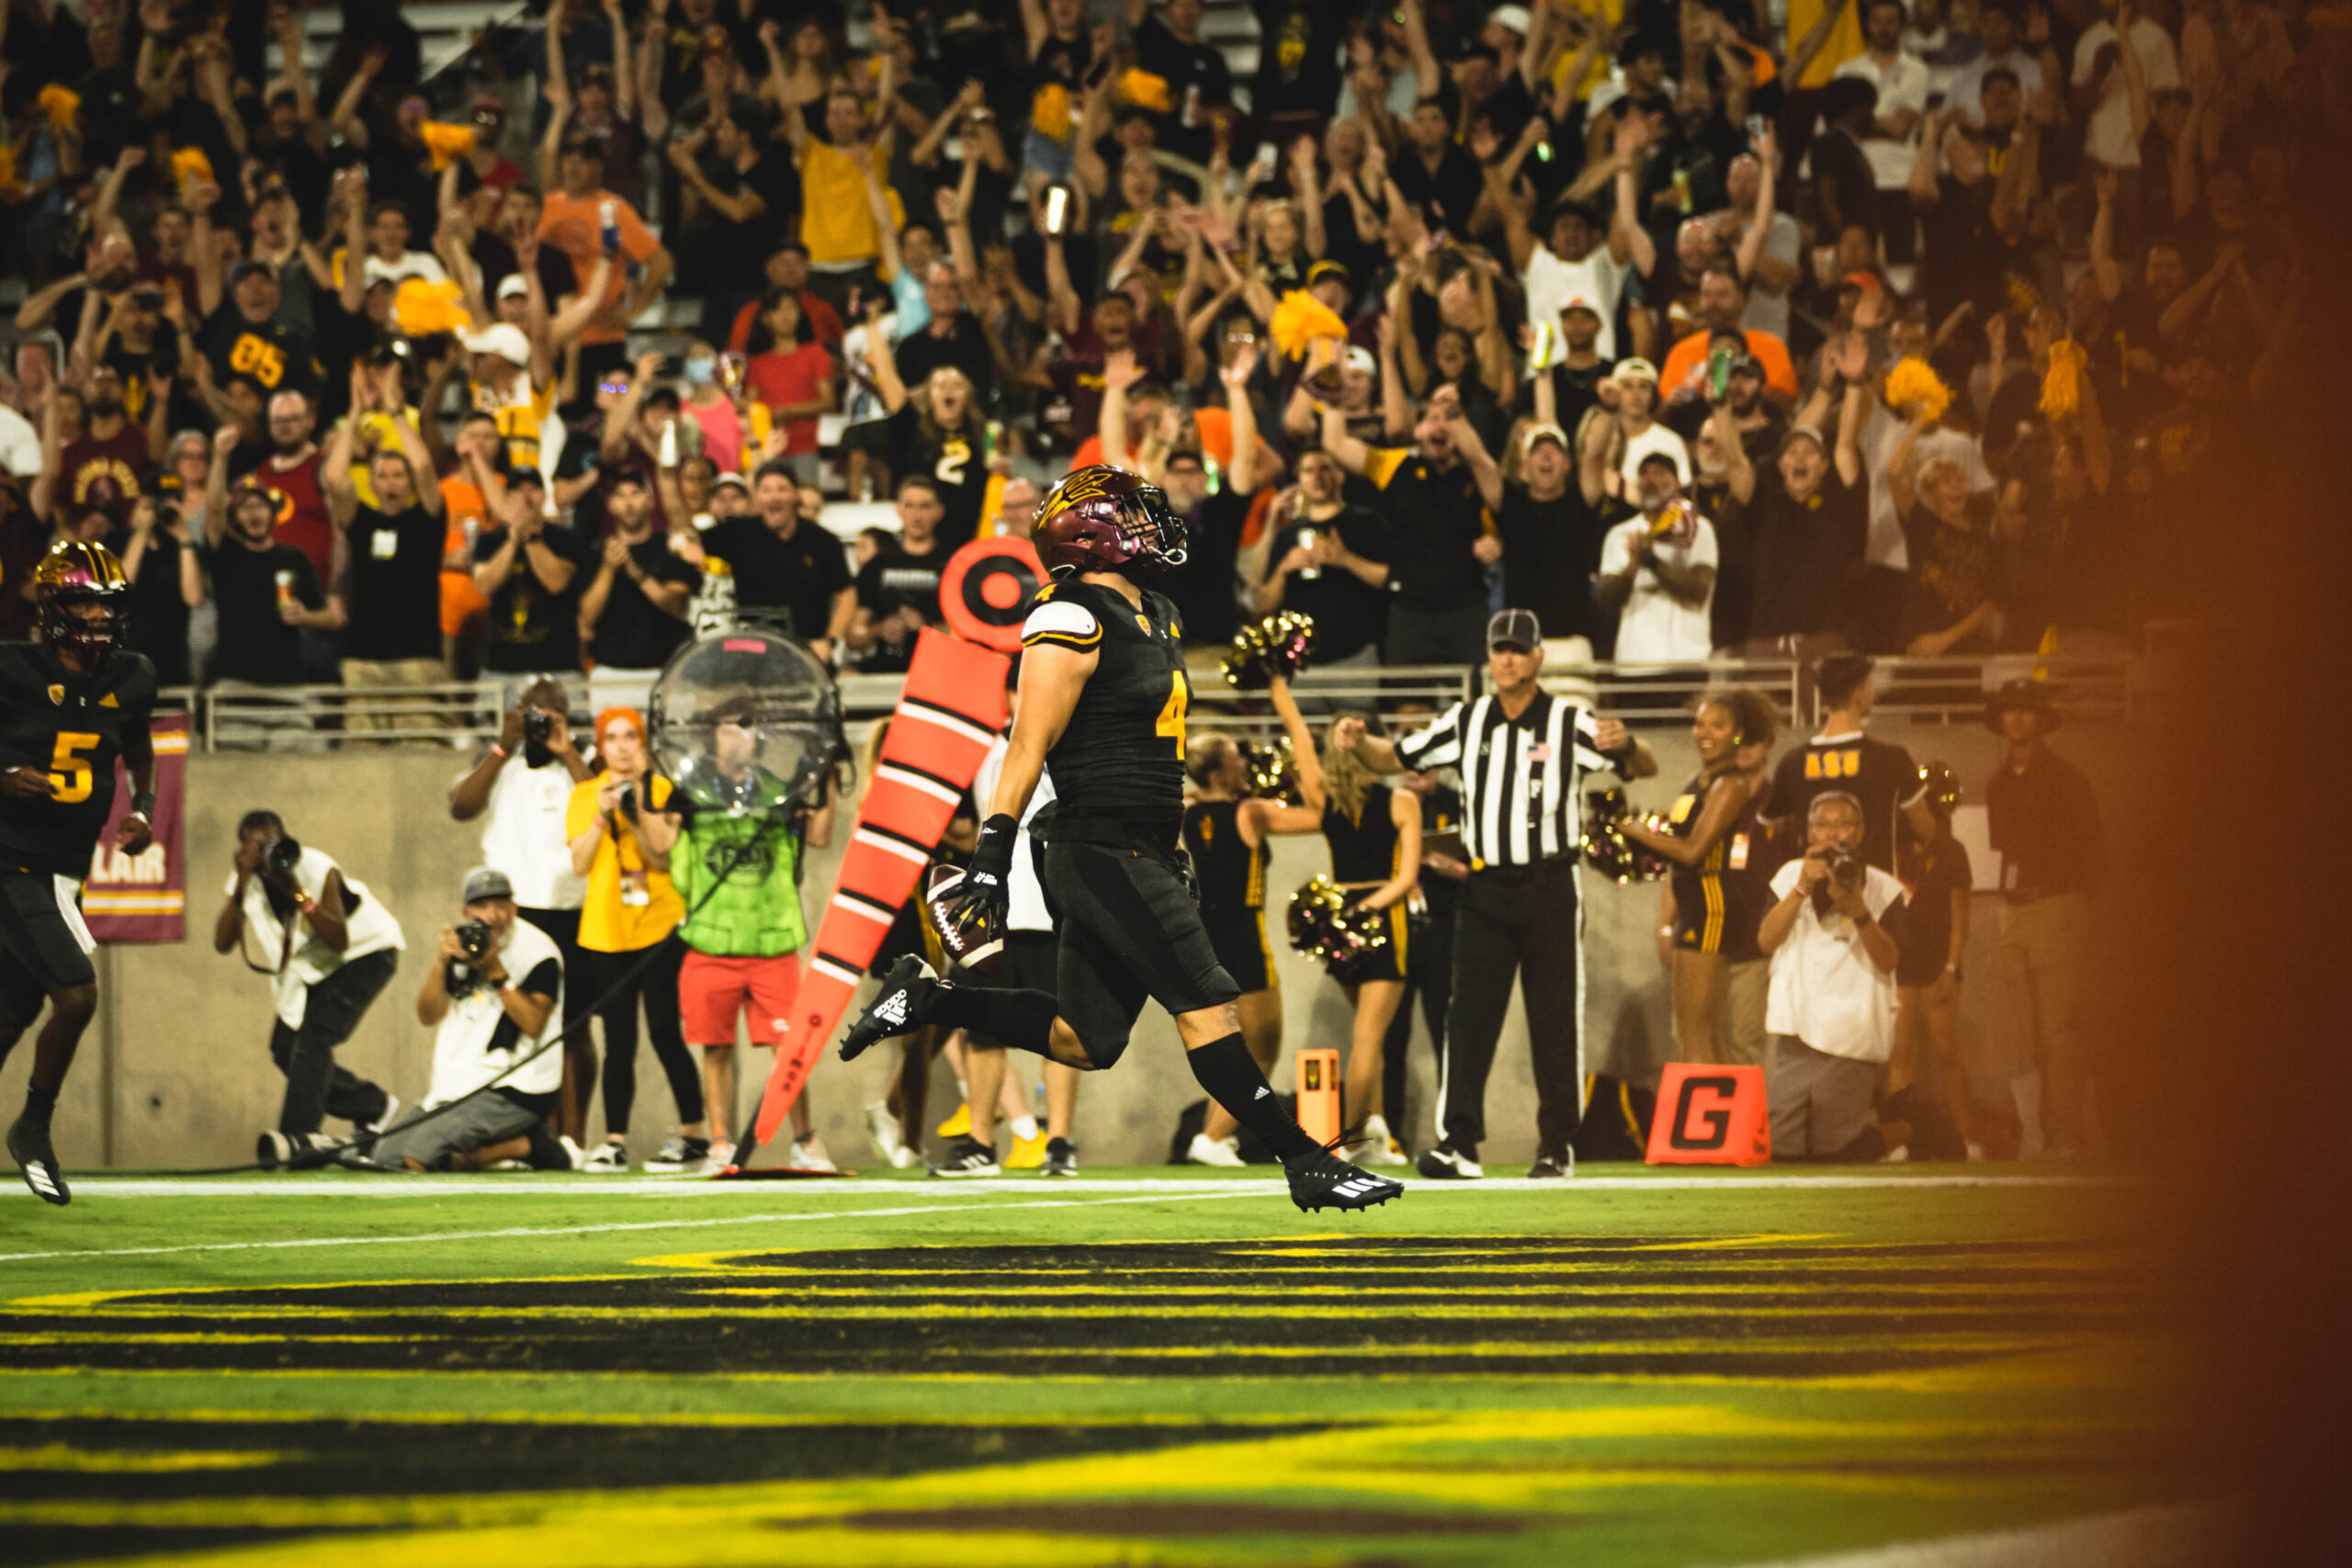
(1105, 519)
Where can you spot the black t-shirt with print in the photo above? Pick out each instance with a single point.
(801, 574)
(532, 630)
(1203, 588)
(1350, 613)
(634, 632)
(896, 579)
(1806, 554)
(394, 585)
(255, 644)
(954, 458)
(1435, 518)
(1551, 548)
(269, 355)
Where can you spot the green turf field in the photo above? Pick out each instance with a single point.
(1632, 1367)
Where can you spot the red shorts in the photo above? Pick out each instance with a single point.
(713, 992)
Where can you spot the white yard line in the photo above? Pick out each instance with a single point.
(357, 1186)
(2179, 1537)
(1228, 1189)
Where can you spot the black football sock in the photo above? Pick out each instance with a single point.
(1020, 1020)
(41, 1104)
(1230, 1074)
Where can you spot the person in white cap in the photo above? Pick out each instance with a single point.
(1634, 382)
(508, 386)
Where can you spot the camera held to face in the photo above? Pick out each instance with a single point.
(282, 855)
(1845, 871)
(462, 979)
(539, 727)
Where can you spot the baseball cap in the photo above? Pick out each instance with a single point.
(1748, 365)
(1661, 459)
(1579, 302)
(1634, 370)
(1804, 432)
(487, 882)
(249, 267)
(1515, 628)
(506, 339)
(513, 286)
(520, 477)
(1542, 433)
(1515, 17)
(1361, 358)
(736, 481)
(1328, 268)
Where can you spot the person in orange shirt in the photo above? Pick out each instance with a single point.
(1722, 300)
(584, 220)
(471, 496)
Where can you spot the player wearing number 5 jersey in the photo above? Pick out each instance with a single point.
(1104, 695)
(69, 706)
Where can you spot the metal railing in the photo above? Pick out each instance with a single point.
(463, 714)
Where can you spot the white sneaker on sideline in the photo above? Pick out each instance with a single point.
(808, 1154)
(721, 1155)
(1206, 1150)
(883, 1128)
(574, 1152)
(608, 1157)
(1375, 1146)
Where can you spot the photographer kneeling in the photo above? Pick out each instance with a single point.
(328, 946)
(494, 996)
(1834, 939)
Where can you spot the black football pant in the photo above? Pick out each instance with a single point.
(1516, 923)
(1429, 975)
(317, 1086)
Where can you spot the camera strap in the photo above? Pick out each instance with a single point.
(286, 947)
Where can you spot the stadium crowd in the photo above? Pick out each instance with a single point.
(1695, 329)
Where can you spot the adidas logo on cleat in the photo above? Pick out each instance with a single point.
(41, 1181)
(892, 1008)
(1262, 1092)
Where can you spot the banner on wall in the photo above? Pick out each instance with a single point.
(143, 897)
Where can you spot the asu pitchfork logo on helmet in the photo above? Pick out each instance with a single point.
(73, 578)
(1105, 519)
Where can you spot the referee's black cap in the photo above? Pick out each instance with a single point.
(1515, 628)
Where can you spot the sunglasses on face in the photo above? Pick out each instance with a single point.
(617, 388)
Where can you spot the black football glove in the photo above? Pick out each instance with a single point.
(985, 897)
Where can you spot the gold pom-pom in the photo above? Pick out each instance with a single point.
(1049, 113)
(60, 106)
(421, 309)
(190, 166)
(1300, 318)
(1145, 91)
(1913, 384)
(2061, 386)
(1274, 769)
(447, 143)
(1279, 645)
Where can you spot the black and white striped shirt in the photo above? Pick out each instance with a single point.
(1522, 780)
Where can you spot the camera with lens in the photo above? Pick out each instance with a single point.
(461, 978)
(629, 802)
(1845, 872)
(282, 853)
(538, 725)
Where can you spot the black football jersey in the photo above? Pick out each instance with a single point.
(1232, 875)
(1121, 759)
(1880, 776)
(71, 728)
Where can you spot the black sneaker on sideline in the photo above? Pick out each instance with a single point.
(29, 1147)
(1554, 1166)
(1325, 1181)
(1447, 1163)
(896, 1009)
(966, 1157)
(298, 1151)
(1061, 1158)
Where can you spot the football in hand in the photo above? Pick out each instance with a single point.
(972, 946)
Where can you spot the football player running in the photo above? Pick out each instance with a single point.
(1104, 695)
(70, 705)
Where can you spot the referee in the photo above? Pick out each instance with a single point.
(1523, 754)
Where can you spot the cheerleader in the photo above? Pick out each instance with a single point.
(1225, 832)
(1710, 920)
(1374, 832)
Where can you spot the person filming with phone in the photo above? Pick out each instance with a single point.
(329, 947)
(630, 949)
(1834, 937)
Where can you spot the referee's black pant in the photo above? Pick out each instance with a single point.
(1515, 922)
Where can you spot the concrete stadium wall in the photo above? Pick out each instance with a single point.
(176, 1073)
